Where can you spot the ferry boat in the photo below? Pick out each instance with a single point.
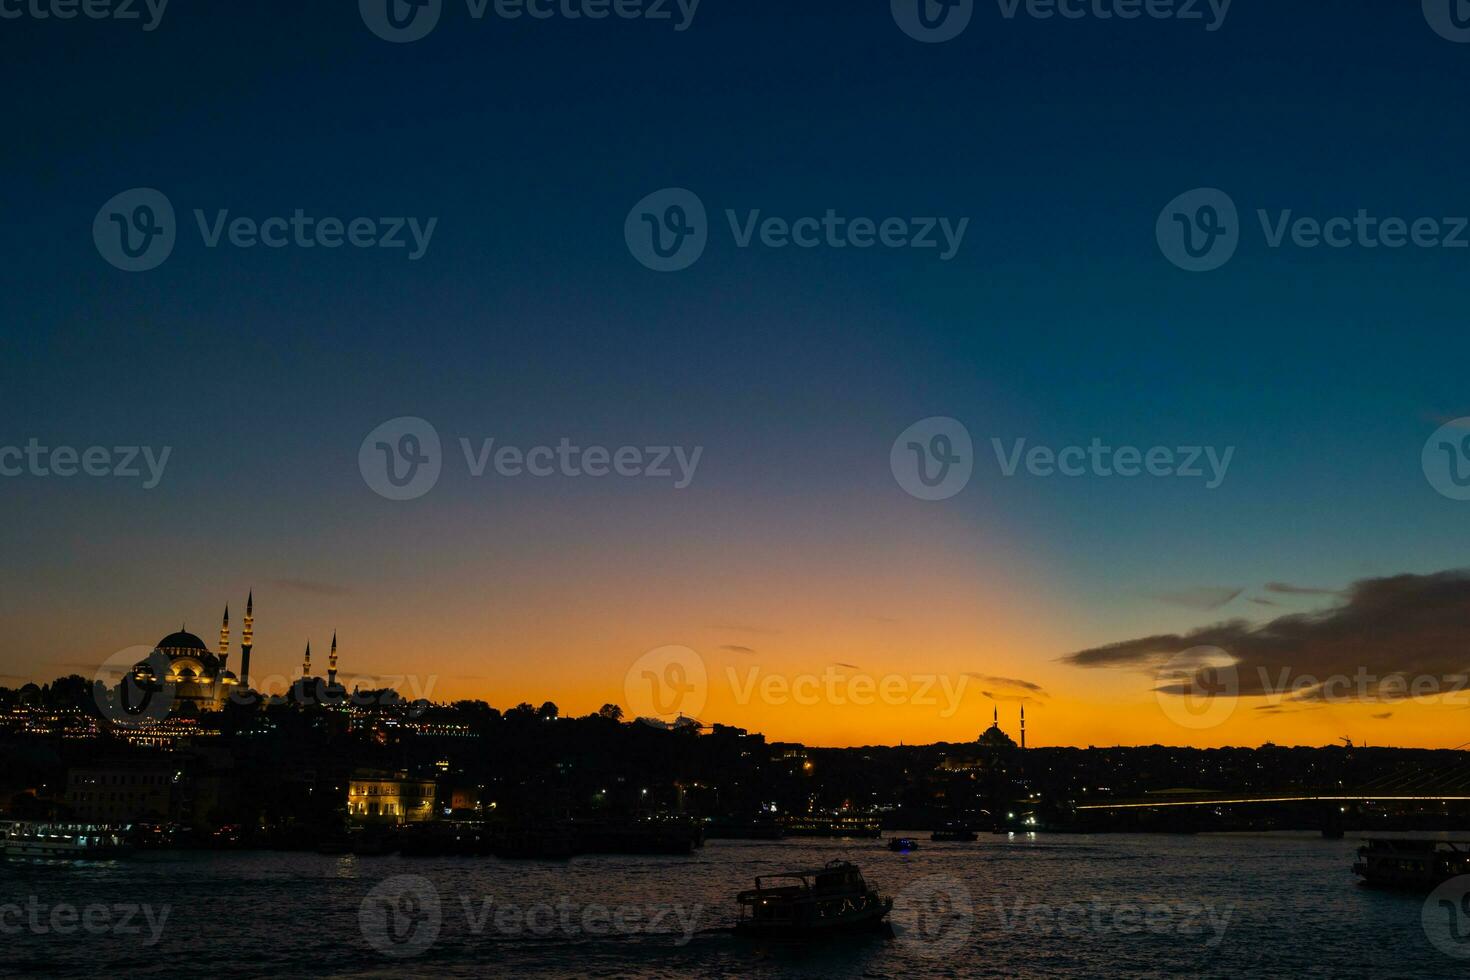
(953, 834)
(1416, 863)
(846, 824)
(809, 904)
(33, 839)
(903, 844)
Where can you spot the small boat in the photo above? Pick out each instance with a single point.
(809, 904)
(903, 844)
(1414, 863)
(78, 841)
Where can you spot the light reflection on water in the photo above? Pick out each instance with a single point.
(1058, 905)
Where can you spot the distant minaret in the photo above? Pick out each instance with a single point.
(306, 664)
(332, 662)
(247, 640)
(1023, 724)
(224, 640)
(995, 715)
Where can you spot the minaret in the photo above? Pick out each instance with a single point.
(1023, 724)
(332, 662)
(224, 640)
(306, 664)
(247, 640)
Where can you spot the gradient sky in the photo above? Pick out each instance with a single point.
(528, 321)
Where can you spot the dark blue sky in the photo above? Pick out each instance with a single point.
(1059, 319)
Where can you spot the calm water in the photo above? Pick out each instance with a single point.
(1058, 905)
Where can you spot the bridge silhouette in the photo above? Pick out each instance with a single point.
(1421, 785)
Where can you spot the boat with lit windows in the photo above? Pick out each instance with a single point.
(953, 833)
(809, 904)
(1413, 863)
(76, 841)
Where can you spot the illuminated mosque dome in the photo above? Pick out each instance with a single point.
(182, 644)
(197, 675)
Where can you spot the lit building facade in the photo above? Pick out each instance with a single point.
(380, 797)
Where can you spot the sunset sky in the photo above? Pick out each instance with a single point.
(794, 549)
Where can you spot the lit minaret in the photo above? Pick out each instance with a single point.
(332, 662)
(306, 664)
(1023, 724)
(247, 640)
(224, 640)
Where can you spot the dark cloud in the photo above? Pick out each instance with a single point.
(1400, 626)
(1008, 682)
(1383, 715)
(1264, 602)
(1008, 697)
(309, 587)
(737, 648)
(736, 628)
(1286, 588)
(1203, 597)
(838, 663)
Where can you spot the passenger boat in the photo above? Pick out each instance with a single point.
(847, 824)
(903, 844)
(1415, 863)
(953, 834)
(809, 904)
(79, 841)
